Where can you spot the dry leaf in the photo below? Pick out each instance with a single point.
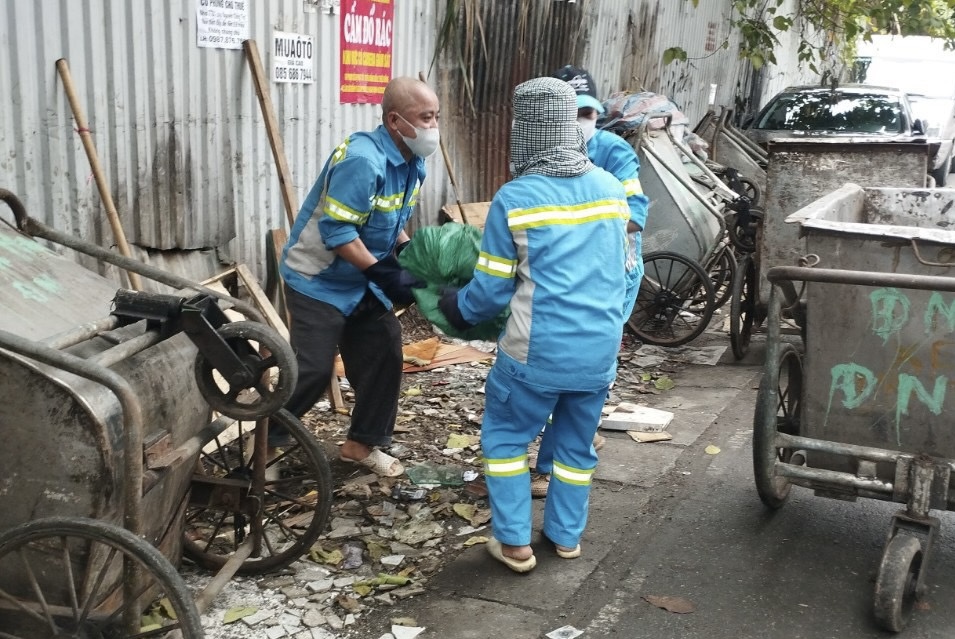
(678, 605)
(712, 450)
(465, 511)
(471, 541)
(234, 614)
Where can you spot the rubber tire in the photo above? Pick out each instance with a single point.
(164, 573)
(743, 307)
(317, 463)
(773, 490)
(700, 279)
(722, 275)
(281, 356)
(895, 584)
(745, 243)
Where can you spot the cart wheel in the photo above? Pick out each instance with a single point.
(750, 189)
(64, 578)
(675, 300)
(273, 374)
(778, 408)
(722, 274)
(743, 307)
(743, 236)
(895, 586)
(290, 514)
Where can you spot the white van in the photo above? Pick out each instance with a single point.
(921, 67)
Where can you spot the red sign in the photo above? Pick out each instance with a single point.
(366, 31)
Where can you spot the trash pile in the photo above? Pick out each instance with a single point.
(388, 536)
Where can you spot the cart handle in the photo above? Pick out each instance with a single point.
(779, 274)
(918, 256)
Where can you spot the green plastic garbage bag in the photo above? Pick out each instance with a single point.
(444, 256)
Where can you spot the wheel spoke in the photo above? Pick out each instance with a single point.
(37, 590)
(100, 577)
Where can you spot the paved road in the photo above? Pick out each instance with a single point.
(667, 519)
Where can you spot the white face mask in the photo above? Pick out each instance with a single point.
(426, 141)
(589, 126)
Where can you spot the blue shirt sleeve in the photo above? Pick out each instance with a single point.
(353, 183)
(621, 160)
(494, 281)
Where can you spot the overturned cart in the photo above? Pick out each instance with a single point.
(861, 410)
(113, 460)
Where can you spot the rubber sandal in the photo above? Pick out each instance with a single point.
(382, 464)
(599, 441)
(539, 485)
(497, 551)
(563, 554)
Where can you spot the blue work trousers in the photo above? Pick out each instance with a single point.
(513, 414)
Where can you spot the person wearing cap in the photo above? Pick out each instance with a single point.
(554, 248)
(342, 275)
(610, 152)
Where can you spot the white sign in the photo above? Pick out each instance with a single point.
(292, 58)
(222, 24)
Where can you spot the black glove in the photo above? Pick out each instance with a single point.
(401, 247)
(448, 303)
(395, 282)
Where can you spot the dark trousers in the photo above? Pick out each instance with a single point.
(369, 341)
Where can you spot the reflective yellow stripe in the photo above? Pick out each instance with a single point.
(632, 187)
(506, 467)
(338, 211)
(568, 475)
(340, 152)
(388, 202)
(497, 266)
(519, 219)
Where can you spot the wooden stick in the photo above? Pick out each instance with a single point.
(83, 129)
(271, 128)
(447, 164)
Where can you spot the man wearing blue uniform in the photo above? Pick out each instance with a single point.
(614, 154)
(342, 275)
(554, 248)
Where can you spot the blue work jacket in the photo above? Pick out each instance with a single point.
(367, 190)
(555, 249)
(612, 153)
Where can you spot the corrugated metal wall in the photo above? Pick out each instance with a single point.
(178, 128)
(500, 43)
(180, 133)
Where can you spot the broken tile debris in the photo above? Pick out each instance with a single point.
(387, 537)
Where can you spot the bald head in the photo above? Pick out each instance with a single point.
(408, 103)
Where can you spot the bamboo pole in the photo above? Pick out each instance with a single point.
(83, 129)
(271, 127)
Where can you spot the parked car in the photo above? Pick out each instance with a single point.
(924, 68)
(854, 110)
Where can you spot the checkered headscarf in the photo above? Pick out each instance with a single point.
(546, 138)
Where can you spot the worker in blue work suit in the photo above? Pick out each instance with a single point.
(554, 248)
(342, 275)
(610, 152)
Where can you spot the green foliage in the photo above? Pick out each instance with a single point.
(827, 26)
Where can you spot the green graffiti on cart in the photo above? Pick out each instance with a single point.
(854, 384)
(891, 309)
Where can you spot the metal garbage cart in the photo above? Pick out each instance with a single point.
(688, 260)
(861, 410)
(730, 148)
(800, 171)
(114, 462)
